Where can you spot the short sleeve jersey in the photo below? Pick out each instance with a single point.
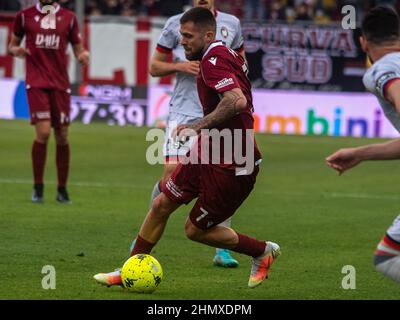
(221, 70)
(184, 99)
(47, 42)
(379, 77)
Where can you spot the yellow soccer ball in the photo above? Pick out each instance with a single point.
(141, 273)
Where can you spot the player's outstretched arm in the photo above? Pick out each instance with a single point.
(159, 67)
(345, 159)
(82, 55)
(15, 49)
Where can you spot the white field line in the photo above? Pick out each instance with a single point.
(257, 190)
(77, 184)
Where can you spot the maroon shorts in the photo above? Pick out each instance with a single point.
(53, 105)
(219, 193)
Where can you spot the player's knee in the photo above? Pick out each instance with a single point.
(192, 232)
(43, 136)
(61, 137)
(161, 206)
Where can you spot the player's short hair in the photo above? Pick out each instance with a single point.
(201, 17)
(381, 24)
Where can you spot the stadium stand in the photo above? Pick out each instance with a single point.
(322, 11)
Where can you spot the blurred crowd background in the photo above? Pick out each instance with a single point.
(283, 10)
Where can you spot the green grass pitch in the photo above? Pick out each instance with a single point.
(322, 222)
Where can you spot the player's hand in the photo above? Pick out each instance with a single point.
(190, 67)
(20, 52)
(182, 133)
(343, 159)
(84, 58)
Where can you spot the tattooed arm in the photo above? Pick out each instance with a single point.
(232, 103)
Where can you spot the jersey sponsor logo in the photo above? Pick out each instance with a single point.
(224, 32)
(383, 79)
(49, 41)
(224, 83)
(213, 60)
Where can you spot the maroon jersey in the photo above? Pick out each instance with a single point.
(222, 69)
(47, 42)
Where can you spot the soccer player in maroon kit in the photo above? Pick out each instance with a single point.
(220, 188)
(47, 34)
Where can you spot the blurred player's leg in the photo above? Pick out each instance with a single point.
(223, 257)
(39, 153)
(62, 163)
(387, 254)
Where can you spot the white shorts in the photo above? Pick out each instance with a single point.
(171, 149)
(394, 230)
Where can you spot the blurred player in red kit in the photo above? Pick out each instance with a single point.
(48, 29)
(222, 186)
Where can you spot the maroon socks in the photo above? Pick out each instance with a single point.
(39, 152)
(250, 246)
(141, 246)
(62, 162)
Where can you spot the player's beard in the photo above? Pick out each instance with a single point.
(196, 56)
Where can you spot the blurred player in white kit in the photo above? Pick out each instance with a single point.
(381, 41)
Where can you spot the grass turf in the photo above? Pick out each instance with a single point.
(322, 222)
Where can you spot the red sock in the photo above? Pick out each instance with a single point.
(142, 246)
(39, 152)
(250, 246)
(62, 161)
